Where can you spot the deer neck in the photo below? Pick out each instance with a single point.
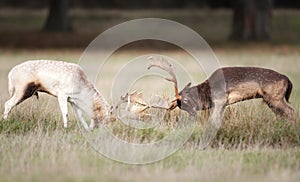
(204, 94)
(100, 106)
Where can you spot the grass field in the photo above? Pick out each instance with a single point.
(250, 146)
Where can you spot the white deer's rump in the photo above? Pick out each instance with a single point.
(66, 81)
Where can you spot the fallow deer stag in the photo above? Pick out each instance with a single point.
(68, 83)
(230, 85)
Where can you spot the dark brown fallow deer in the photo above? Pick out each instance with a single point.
(230, 85)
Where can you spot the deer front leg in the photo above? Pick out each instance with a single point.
(218, 112)
(214, 124)
(92, 125)
(63, 104)
(79, 115)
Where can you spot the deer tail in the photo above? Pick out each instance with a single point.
(11, 87)
(288, 90)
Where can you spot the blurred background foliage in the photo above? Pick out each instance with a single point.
(149, 4)
(75, 23)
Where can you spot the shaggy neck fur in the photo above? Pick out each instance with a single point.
(100, 107)
(204, 95)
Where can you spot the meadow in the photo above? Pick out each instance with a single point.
(251, 145)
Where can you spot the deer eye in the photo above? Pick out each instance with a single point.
(185, 100)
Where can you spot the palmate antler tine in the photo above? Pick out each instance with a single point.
(164, 64)
(136, 97)
(173, 105)
(139, 105)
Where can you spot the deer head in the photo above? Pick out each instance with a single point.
(184, 99)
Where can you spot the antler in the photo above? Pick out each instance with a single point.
(164, 64)
(135, 97)
(140, 105)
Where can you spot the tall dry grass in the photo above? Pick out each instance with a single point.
(250, 145)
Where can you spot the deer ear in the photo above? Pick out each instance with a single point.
(188, 85)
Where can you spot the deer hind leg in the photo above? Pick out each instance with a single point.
(20, 94)
(63, 104)
(11, 103)
(274, 97)
(281, 109)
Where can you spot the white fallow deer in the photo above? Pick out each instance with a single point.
(68, 83)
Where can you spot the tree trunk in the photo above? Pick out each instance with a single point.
(251, 20)
(58, 18)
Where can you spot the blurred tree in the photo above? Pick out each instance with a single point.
(58, 18)
(251, 19)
